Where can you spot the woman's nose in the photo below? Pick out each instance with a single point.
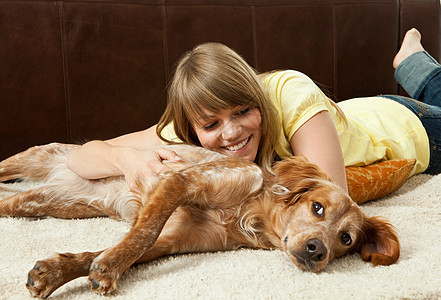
(231, 130)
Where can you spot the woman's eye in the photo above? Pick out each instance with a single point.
(210, 126)
(318, 209)
(346, 239)
(243, 111)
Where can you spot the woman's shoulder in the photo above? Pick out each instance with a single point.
(285, 75)
(292, 86)
(290, 81)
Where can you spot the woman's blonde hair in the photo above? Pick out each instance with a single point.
(212, 77)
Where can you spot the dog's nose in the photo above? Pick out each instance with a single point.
(315, 250)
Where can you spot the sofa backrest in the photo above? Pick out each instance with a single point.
(73, 70)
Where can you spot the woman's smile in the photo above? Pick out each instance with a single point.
(238, 146)
(234, 132)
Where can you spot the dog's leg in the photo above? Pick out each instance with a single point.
(168, 245)
(181, 234)
(190, 230)
(107, 268)
(45, 201)
(35, 163)
(49, 274)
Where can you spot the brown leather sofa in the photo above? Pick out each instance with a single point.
(76, 70)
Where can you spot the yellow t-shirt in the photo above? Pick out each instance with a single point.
(377, 128)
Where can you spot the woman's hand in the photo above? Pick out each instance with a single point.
(143, 164)
(137, 154)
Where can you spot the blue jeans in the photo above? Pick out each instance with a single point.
(420, 76)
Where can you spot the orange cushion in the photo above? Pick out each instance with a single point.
(377, 180)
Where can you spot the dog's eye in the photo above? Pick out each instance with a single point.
(318, 209)
(285, 240)
(346, 239)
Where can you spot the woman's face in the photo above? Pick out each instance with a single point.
(234, 132)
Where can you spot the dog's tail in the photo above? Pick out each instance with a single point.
(36, 163)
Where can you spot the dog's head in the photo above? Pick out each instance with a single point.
(321, 222)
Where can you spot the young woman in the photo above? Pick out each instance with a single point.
(217, 101)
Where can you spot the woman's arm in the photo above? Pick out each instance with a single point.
(318, 141)
(130, 155)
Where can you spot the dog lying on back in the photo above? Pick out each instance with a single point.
(207, 202)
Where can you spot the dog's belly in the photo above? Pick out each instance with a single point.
(191, 229)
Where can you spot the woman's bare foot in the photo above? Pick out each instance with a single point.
(411, 44)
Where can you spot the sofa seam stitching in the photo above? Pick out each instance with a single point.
(64, 68)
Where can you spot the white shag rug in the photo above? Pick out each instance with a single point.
(415, 210)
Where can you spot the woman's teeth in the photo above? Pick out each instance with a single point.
(238, 146)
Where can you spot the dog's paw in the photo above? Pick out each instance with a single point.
(44, 279)
(49, 274)
(103, 279)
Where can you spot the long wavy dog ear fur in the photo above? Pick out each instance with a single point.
(379, 243)
(297, 175)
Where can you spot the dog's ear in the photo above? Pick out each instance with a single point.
(379, 243)
(297, 176)
(298, 168)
